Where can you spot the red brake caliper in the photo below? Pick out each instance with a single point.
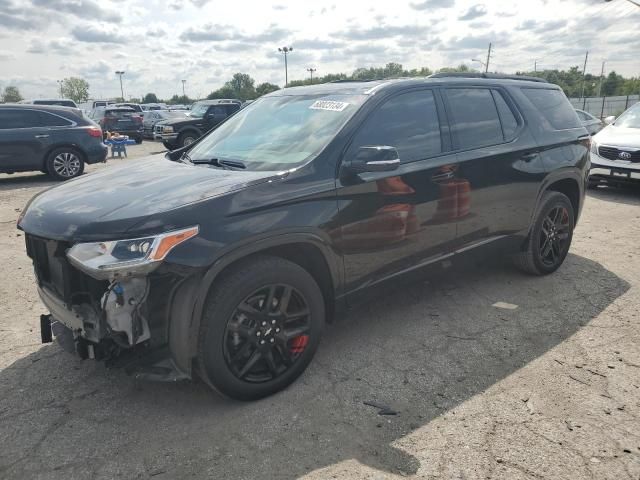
(298, 344)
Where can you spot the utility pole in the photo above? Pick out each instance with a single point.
(60, 82)
(183, 82)
(120, 73)
(601, 79)
(535, 66)
(285, 51)
(584, 72)
(311, 70)
(488, 60)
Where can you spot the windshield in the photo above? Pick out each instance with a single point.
(630, 118)
(172, 113)
(278, 133)
(199, 109)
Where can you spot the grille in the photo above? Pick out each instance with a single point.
(54, 271)
(613, 153)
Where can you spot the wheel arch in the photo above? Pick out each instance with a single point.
(309, 251)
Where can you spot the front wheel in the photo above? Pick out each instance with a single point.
(550, 238)
(168, 145)
(260, 329)
(187, 139)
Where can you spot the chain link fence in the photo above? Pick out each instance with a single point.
(603, 107)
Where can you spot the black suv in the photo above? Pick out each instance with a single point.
(124, 120)
(202, 117)
(53, 139)
(226, 258)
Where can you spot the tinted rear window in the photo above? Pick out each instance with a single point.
(554, 107)
(119, 113)
(475, 117)
(19, 118)
(50, 120)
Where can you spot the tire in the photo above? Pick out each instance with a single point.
(259, 345)
(187, 138)
(536, 259)
(138, 140)
(65, 163)
(168, 146)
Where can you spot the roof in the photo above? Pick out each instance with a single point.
(31, 106)
(219, 101)
(367, 87)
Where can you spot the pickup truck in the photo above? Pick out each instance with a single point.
(203, 116)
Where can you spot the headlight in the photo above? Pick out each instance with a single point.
(594, 147)
(103, 260)
(167, 129)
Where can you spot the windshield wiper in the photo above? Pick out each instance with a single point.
(219, 163)
(185, 158)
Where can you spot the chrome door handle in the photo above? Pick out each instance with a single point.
(442, 176)
(42, 136)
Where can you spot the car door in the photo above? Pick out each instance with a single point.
(215, 114)
(392, 222)
(23, 139)
(499, 168)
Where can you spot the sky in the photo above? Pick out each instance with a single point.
(159, 43)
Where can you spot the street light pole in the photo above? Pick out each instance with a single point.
(311, 70)
(183, 82)
(120, 73)
(285, 51)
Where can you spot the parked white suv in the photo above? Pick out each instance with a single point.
(615, 150)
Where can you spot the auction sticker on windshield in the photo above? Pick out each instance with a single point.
(329, 105)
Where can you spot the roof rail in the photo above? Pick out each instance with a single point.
(494, 76)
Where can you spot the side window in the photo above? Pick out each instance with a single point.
(233, 108)
(475, 120)
(49, 120)
(554, 107)
(507, 118)
(18, 119)
(582, 116)
(409, 122)
(218, 111)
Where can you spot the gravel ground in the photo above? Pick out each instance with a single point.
(549, 389)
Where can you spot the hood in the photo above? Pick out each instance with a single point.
(110, 202)
(618, 137)
(181, 120)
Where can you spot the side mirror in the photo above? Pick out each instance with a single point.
(610, 120)
(379, 158)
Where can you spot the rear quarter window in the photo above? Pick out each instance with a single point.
(554, 107)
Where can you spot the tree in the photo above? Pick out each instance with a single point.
(265, 88)
(180, 100)
(241, 86)
(77, 89)
(150, 98)
(11, 94)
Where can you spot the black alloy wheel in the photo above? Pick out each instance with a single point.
(260, 327)
(554, 236)
(267, 333)
(549, 239)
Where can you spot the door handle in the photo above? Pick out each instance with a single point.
(42, 136)
(442, 176)
(527, 157)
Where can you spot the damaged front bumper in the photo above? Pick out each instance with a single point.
(137, 322)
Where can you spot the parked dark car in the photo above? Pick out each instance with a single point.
(135, 106)
(225, 258)
(124, 120)
(53, 139)
(152, 117)
(203, 116)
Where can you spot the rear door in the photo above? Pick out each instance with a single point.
(499, 168)
(392, 222)
(23, 139)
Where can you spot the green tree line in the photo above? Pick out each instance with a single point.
(242, 86)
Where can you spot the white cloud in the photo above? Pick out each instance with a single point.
(159, 42)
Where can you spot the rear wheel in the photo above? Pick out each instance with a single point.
(550, 238)
(260, 329)
(138, 140)
(65, 163)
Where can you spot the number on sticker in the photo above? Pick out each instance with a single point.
(329, 105)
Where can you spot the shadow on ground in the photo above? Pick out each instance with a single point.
(422, 349)
(625, 194)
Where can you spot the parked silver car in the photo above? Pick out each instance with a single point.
(615, 150)
(591, 123)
